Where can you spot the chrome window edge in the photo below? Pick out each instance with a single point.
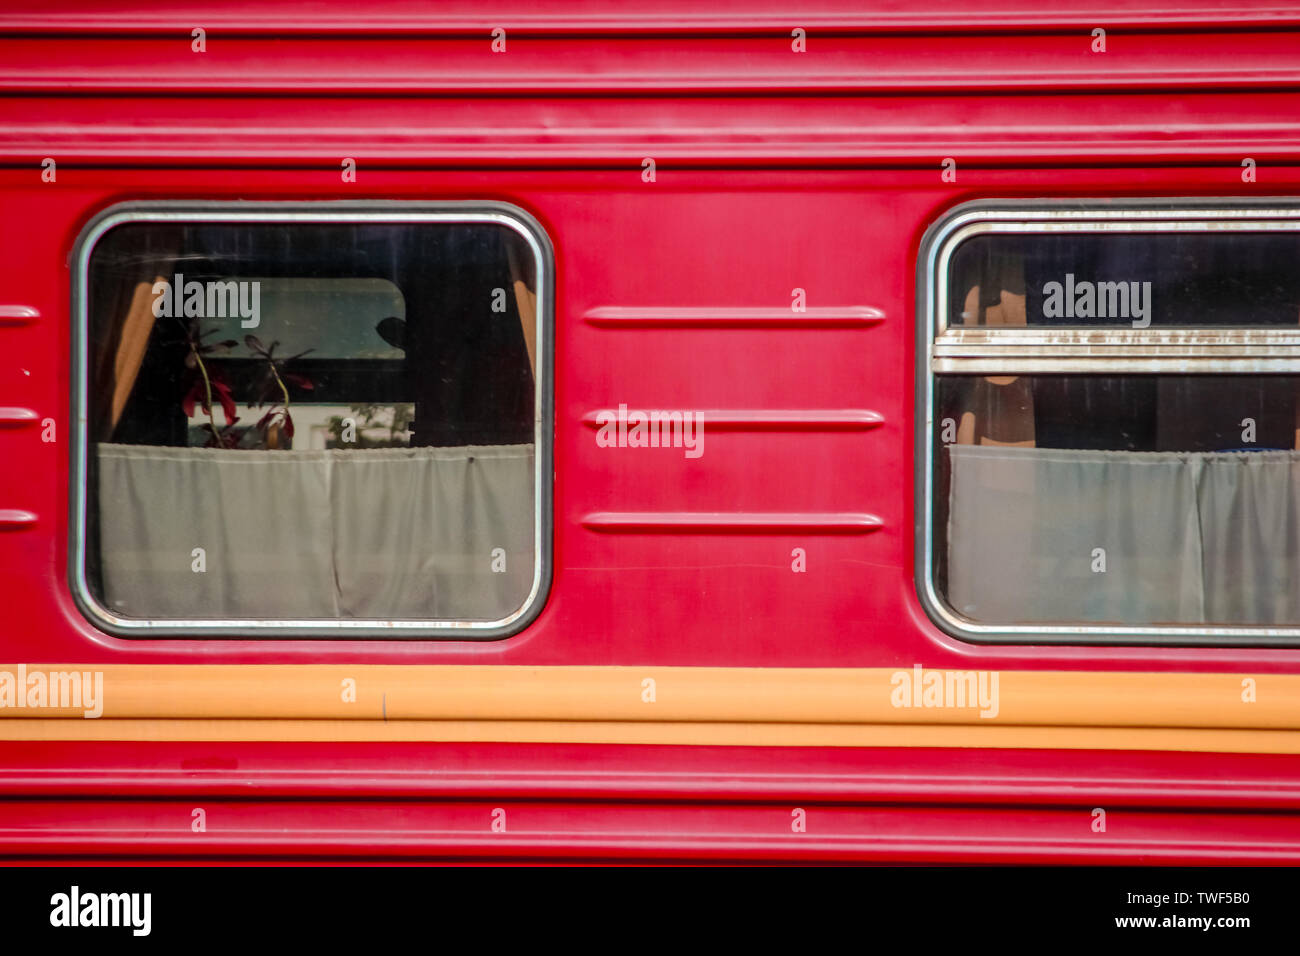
(1259, 221)
(325, 211)
(931, 304)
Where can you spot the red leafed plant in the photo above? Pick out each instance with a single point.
(271, 386)
(206, 387)
(205, 383)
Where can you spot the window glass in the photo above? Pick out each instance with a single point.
(1132, 500)
(311, 421)
(1131, 462)
(1132, 280)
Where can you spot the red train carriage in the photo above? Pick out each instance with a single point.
(549, 432)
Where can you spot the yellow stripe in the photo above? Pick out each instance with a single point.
(692, 705)
(642, 732)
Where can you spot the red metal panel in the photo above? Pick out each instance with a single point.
(643, 16)
(555, 65)
(671, 294)
(630, 830)
(714, 241)
(541, 772)
(1007, 130)
(574, 802)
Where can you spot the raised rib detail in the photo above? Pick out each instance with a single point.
(693, 522)
(12, 519)
(1010, 130)
(18, 314)
(546, 17)
(11, 417)
(722, 317)
(779, 419)
(571, 63)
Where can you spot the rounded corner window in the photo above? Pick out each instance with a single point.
(1109, 422)
(312, 420)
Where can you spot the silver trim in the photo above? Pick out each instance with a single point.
(387, 211)
(1013, 349)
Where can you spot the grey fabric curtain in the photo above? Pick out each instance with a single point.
(389, 534)
(1183, 538)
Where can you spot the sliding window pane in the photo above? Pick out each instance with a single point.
(1122, 500)
(1127, 280)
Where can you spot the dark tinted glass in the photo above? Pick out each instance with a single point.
(311, 420)
(1222, 279)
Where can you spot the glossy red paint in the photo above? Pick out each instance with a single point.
(699, 239)
(775, 171)
(541, 772)
(582, 802)
(657, 17)
(630, 830)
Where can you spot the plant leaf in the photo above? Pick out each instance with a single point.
(227, 402)
(217, 348)
(266, 389)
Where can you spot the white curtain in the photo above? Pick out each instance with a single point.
(1038, 535)
(388, 534)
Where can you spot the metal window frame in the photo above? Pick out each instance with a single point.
(1004, 350)
(396, 212)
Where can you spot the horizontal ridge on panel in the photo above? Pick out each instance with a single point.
(18, 314)
(850, 316)
(635, 65)
(778, 419)
(736, 522)
(12, 417)
(14, 519)
(1005, 130)
(534, 18)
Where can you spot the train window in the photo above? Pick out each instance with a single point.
(312, 420)
(1112, 422)
(1126, 280)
